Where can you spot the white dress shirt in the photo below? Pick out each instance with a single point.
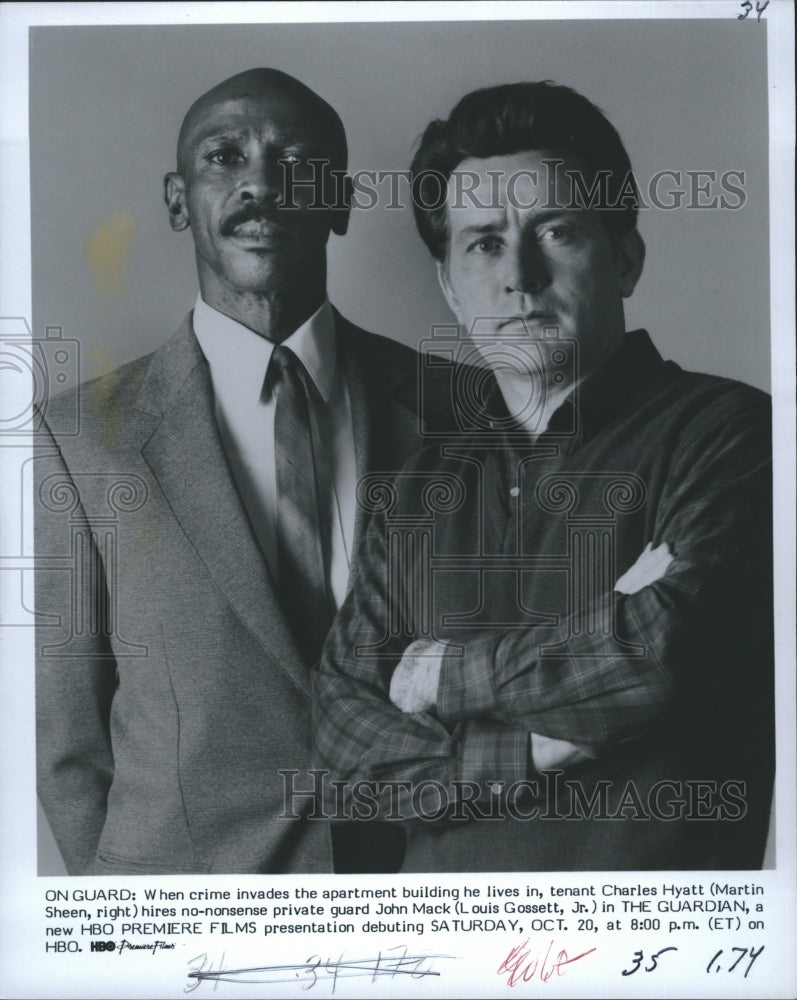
(238, 360)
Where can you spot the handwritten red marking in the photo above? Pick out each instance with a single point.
(520, 965)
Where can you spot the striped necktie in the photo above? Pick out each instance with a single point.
(302, 542)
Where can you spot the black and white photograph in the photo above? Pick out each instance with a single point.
(398, 492)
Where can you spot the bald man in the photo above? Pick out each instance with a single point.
(173, 699)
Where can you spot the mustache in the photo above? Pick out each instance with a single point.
(255, 213)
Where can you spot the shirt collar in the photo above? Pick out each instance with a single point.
(314, 344)
(616, 381)
(595, 398)
(233, 350)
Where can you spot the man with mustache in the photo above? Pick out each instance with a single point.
(579, 672)
(177, 688)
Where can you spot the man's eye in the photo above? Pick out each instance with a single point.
(556, 234)
(486, 245)
(293, 158)
(225, 157)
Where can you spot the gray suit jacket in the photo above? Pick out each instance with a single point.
(170, 693)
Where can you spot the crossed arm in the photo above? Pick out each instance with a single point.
(415, 682)
(474, 723)
(376, 721)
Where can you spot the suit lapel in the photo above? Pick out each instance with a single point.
(187, 459)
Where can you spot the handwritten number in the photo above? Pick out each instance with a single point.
(309, 969)
(654, 958)
(332, 968)
(201, 959)
(201, 967)
(742, 952)
(753, 956)
(638, 956)
(748, 6)
(309, 973)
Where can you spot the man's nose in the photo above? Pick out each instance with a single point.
(261, 179)
(527, 270)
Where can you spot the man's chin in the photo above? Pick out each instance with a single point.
(257, 271)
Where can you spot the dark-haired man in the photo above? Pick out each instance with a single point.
(574, 671)
(209, 502)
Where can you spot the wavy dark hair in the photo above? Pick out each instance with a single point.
(512, 118)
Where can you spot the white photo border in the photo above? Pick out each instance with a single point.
(27, 971)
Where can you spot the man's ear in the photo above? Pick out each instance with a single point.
(174, 196)
(341, 207)
(448, 291)
(630, 257)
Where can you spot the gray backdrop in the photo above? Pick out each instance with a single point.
(106, 104)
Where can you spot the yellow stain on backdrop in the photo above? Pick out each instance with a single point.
(107, 252)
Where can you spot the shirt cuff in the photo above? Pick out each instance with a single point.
(548, 753)
(466, 689)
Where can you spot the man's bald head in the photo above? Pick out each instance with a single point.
(279, 87)
(261, 183)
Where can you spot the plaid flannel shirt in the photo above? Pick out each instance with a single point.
(698, 449)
